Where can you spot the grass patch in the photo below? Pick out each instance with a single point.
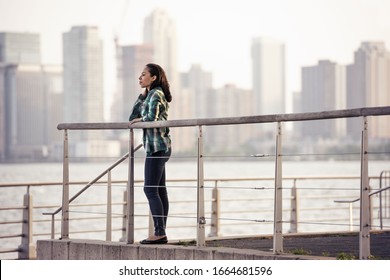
(300, 251)
(187, 243)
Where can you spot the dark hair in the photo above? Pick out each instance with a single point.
(160, 81)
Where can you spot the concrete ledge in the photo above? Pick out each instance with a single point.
(74, 249)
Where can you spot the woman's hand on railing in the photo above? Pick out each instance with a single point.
(135, 121)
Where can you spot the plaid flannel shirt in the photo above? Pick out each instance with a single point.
(153, 108)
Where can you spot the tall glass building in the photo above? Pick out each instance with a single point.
(20, 48)
(368, 86)
(268, 76)
(83, 78)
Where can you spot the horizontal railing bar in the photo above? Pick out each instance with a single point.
(11, 250)
(348, 113)
(91, 231)
(13, 208)
(286, 178)
(12, 222)
(11, 236)
(80, 218)
(357, 199)
(75, 205)
(47, 184)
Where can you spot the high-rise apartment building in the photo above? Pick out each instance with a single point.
(3, 70)
(54, 89)
(268, 81)
(133, 60)
(323, 89)
(22, 133)
(197, 100)
(83, 78)
(160, 33)
(231, 101)
(84, 91)
(29, 111)
(368, 85)
(200, 83)
(268, 76)
(22, 48)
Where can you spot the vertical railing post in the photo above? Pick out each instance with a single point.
(109, 208)
(53, 226)
(294, 208)
(27, 247)
(201, 220)
(130, 192)
(124, 218)
(65, 190)
(278, 237)
(150, 224)
(350, 216)
(364, 236)
(215, 211)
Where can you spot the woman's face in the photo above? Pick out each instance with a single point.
(145, 80)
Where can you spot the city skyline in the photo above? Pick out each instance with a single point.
(28, 88)
(212, 34)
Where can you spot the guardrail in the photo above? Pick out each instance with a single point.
(364, 241)
(223, 216)
(277, 220)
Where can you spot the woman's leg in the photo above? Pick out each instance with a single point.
(163, 193)
(157, 196)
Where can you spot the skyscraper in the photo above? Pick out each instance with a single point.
(22, 133)
(268, 76)
(323, 89)
(134, 59)
(83, 78)
(197, 100)
(160, 33)
(368, 85)
(200, 84)
(28, 128)
(22, 48)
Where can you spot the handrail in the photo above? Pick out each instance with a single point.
(358, 199)
(348, 113)
(364, 241)
(211, 179)
(123, 158)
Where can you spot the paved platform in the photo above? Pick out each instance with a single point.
(296, 247)
(321, 244)
(103, 250)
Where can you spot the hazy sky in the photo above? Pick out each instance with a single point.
(216, 34)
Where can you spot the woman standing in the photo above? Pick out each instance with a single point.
(152, 105)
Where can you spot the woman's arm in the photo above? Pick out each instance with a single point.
(136, 112)
(155, 103)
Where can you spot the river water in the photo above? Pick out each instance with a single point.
(238, 195)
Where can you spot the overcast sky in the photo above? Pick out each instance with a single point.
(215, 34)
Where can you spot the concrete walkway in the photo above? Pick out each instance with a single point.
(320, 244)
(102, 250)
(296, 247)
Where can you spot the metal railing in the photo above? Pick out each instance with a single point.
(223, 215)
(364, 241)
